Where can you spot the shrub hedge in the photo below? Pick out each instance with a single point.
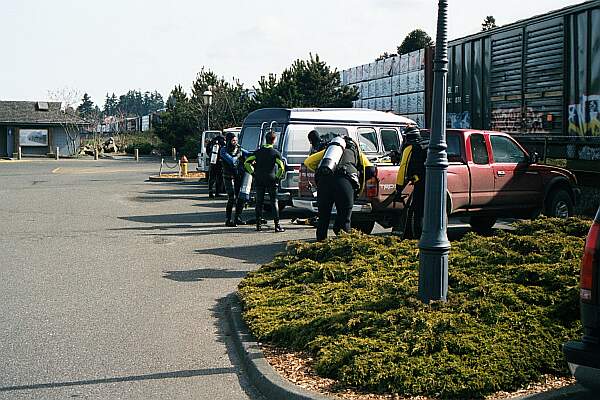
(352, 302)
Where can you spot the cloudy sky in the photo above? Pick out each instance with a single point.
(110, 46)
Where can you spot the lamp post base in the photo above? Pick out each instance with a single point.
(433, 275)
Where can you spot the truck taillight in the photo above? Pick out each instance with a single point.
(589, 263)
(372, 187)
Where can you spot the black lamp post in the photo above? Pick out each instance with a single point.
(207, 97)
(434, 244)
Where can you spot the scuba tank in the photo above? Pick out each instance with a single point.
(246, 186)
(214, 154)
(332, 156)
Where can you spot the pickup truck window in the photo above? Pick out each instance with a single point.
(390, 139)
(478, 149)
(454, 149)
(505, 150)
(367, 138)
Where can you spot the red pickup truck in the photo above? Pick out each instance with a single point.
(489, 176)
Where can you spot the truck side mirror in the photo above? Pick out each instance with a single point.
(534, 158)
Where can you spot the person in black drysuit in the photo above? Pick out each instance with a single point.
(232, 155)
(268, 169)
(412, 169)
(316, 143)
(215, 171)
(339, 187)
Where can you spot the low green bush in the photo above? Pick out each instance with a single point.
(144, 148)
(352, 302)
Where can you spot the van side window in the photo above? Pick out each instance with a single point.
(297, 135)
(367, 139)
(478, 149)
(390, 139)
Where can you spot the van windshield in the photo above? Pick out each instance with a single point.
(250, 137)
(297, 135)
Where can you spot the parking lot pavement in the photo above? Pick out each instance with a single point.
(112, 285)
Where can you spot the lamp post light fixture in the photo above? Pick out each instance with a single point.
(434, 245)
(207, 98)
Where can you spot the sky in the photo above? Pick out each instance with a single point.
(112, 46)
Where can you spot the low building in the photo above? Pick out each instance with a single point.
(38, 127)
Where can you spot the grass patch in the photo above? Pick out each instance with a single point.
(352, 302)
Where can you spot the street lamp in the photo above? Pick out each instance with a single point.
(434, 245)
(207, 98)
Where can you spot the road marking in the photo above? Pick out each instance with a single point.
(55, 170)
(81, 171)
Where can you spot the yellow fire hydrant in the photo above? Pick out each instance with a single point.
(184, 165)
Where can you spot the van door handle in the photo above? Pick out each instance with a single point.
(501, 173)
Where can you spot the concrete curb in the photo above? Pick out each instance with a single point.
(557, 394)
(260, 374)
(268, 381)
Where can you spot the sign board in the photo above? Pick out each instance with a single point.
(145, 123)
(33, 137)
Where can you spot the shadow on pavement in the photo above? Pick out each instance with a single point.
(256, 254)
(131, 378)
(198, 275)
(179, 218)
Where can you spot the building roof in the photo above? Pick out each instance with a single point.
(36, 112)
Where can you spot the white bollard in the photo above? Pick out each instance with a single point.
(19, 153)
(137, 154)
(57, 153)
(174, 153)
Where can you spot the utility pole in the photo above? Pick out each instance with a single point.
(434, 245)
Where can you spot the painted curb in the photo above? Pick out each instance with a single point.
(259, 372)
(156, 178)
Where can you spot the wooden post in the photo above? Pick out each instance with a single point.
(174, 153)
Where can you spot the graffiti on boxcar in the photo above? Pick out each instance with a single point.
(517, 120)
(583, 117)
(460, 120)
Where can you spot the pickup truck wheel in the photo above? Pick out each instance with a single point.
(559, 204)
(363, 226)
(482, 225)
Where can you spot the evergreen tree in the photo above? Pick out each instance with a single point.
(86, 108)
(415, 40)
(488, 23)
(178, 125)
(307, 83)
(230, 101)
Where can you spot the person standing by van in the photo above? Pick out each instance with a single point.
(316, 143)
(412, 170)
(232, 154)
(215, 171)
(338, 184)
(267, 166)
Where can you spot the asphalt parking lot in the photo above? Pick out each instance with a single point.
(113, 287)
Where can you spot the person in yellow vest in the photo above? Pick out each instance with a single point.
(338, 183)
(412, 170)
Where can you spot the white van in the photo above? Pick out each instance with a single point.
(376, 132)
(205, 138)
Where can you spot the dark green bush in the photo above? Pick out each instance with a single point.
(352, 301)
(144, 148)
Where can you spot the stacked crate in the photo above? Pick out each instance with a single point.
(395, 84)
